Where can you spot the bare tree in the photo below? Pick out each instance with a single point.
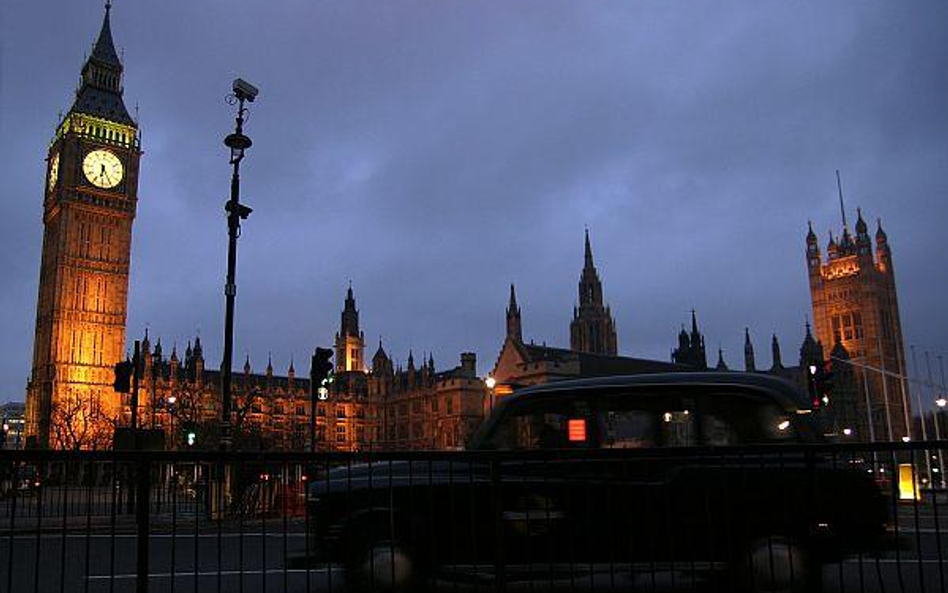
(78, 424)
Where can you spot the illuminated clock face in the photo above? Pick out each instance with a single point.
(53, 170)
(102, 169)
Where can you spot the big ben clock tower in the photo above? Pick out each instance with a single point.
(91, 192)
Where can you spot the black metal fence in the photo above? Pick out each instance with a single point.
(770, 518)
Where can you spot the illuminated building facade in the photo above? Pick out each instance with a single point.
(855, 306)
(91, 193)
(12, 415)
(366, 409)
(350, 342)
(419, 408)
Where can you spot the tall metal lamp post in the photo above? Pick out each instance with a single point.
(171, 401)
(941, 402)
(490, 382)
(238, 142)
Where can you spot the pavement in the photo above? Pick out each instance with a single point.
(190, 553)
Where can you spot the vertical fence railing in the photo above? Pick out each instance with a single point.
(657, 519)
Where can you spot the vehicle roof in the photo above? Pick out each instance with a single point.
(785, 393)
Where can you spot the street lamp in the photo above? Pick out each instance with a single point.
(238, 144)
(171, 401)
(491, 382)
(940, 402)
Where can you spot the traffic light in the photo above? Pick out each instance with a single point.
(811, 384)
(123, 376)
(821, 384)
(192, 437)
(825, 385)
(321, 371)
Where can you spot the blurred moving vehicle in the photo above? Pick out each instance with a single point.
(19, 480)
(699, 469)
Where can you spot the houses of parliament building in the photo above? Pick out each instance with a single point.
(89, 206)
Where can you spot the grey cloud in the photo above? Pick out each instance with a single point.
(434, 152)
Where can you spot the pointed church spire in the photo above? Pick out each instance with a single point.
(721, 366)
(839, 351)
(589, 253)
(775, 353)
(514, 328)
(811, 351)
(750, 365)
(593, 327)
(350, 316)
(861, 227)
(104, 48)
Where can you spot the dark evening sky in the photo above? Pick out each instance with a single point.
(434, 152)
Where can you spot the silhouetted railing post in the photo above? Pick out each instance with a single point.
(498, 514)
(142, 520)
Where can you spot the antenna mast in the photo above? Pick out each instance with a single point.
(842, 208)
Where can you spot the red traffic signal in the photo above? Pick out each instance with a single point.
(820, 384)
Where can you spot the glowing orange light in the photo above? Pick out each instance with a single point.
(908, 489)
(577, 430)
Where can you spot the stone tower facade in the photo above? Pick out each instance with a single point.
(593, 329)
(350, 342)
(855, 306)
(91, 193)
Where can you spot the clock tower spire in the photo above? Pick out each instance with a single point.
(91, 194)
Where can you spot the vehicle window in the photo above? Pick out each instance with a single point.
(678, 428)
(717, 431)
(628, 429)
(544, 425)
(634, 420)
(737, 418)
